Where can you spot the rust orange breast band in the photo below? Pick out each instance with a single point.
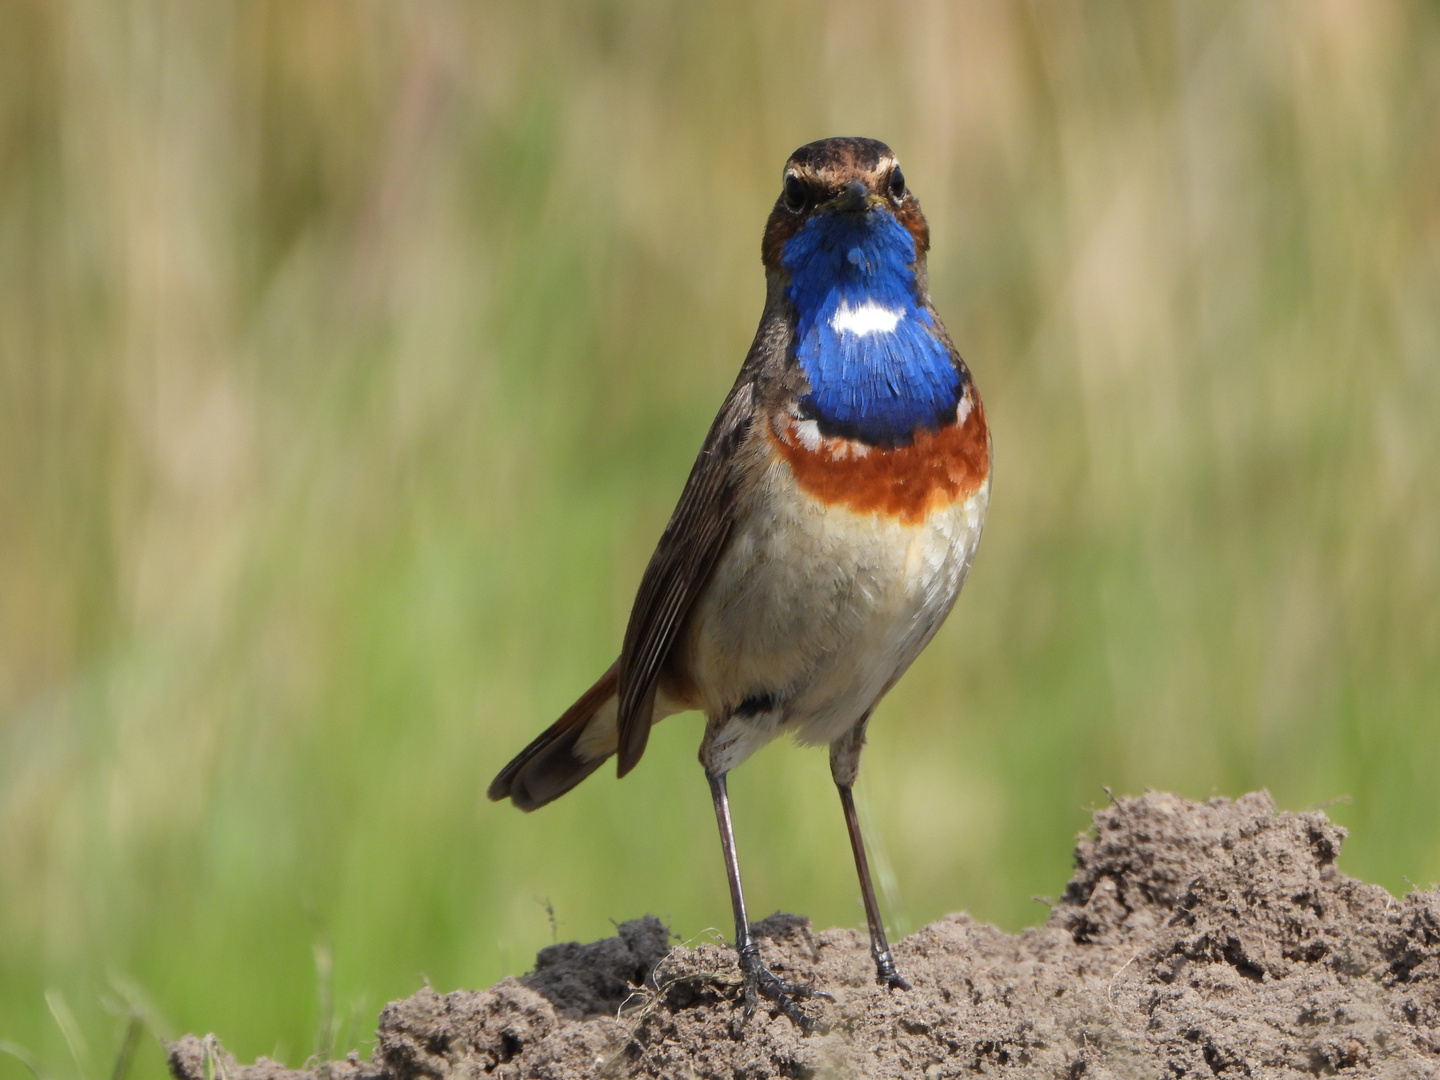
(937, 469)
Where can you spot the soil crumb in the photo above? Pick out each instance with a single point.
(1194, 939)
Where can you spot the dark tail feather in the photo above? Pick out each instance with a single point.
(551, 765)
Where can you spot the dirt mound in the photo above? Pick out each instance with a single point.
(1194, 939)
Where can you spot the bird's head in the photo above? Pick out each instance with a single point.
(849, 183)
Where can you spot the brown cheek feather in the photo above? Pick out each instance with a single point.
(909, 215)
(778, 230)
(937, 469)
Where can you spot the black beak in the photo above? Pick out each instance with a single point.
(853, 196)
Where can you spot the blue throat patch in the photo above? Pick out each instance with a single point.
(877, 371)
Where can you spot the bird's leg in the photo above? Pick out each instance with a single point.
(885, 972)
(844, 766)
(758, 978)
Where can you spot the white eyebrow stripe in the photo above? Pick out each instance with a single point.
(867, 318)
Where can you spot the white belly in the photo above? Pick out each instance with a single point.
(820, 609)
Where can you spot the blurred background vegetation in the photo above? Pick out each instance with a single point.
(352, 356)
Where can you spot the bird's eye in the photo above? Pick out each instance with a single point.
(794, 195)
(897, 184)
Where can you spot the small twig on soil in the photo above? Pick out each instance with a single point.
(1110, 986)
(554, 922)
(651, 998)
(214, 1061)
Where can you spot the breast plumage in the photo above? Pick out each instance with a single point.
(932, 471)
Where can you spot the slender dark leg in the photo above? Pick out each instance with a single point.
(885, 972)
(758, 978)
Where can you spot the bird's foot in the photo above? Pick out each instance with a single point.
(760, 982)
(885, 973)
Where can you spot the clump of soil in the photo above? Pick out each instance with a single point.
(1194, 939)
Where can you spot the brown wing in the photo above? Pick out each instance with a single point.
(679, 569)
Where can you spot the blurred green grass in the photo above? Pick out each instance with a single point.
(351, 359)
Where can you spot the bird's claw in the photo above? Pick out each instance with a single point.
(760, 982)
(886, 975)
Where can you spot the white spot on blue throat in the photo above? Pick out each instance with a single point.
(877, 371)
(866, 318)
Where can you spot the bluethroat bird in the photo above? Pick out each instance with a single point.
(825, 530)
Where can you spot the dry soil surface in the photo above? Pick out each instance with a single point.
(1194, 939)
